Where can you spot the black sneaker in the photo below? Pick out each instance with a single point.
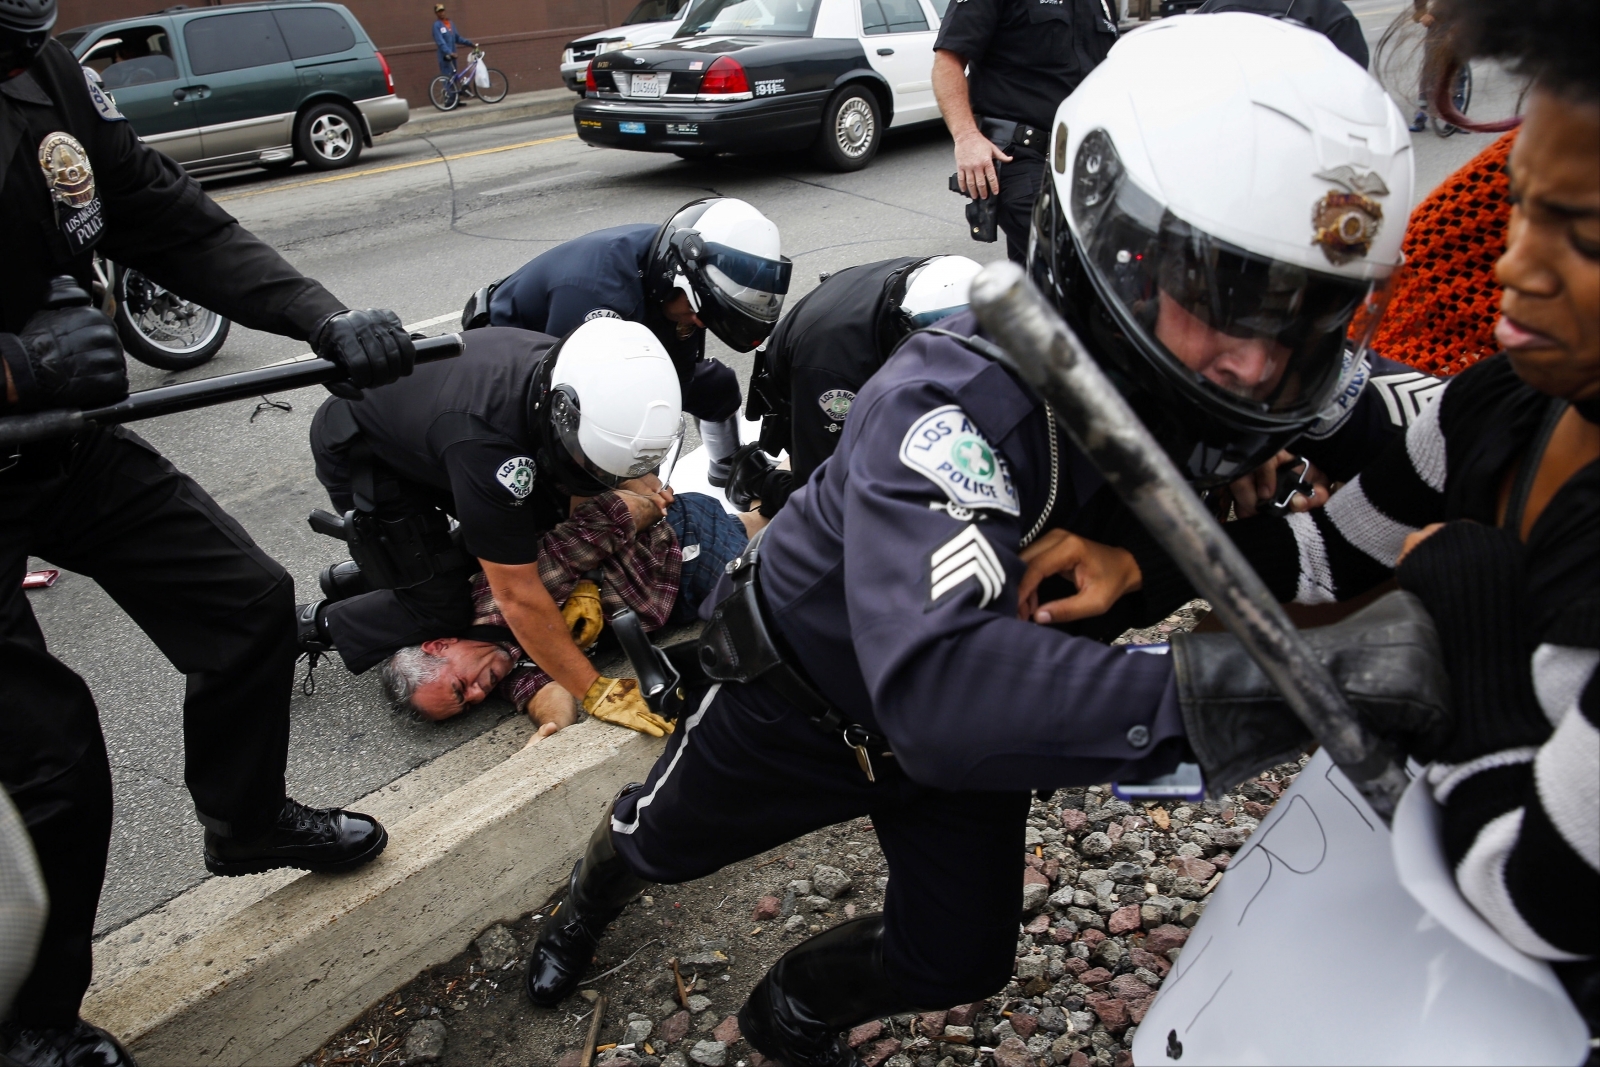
(79, 1045)
(326, 840)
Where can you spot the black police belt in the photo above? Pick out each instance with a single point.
(394, 551)
(740, 646)
(1005, 133)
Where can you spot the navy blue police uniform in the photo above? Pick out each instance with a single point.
(457, 438)
(891, 577)
(602, 274)
(1023, 58)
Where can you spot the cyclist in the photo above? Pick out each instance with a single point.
(445, 39)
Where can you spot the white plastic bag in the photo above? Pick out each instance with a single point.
(480, 77)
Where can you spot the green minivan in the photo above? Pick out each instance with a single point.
(246, 84)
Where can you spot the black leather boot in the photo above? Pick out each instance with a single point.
(601, 886)
(79, 1045)
(340, 581)
(326, 840)
(824, 985)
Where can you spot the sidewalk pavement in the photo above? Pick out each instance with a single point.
(428, 119)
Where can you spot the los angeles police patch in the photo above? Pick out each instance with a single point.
(945, 447)
(516, 474)
(601, 313)
(835, 403)
(104, 105)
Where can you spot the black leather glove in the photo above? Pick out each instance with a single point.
(1475, 576)
(66, 356)
(371, 345)
(1385, 658)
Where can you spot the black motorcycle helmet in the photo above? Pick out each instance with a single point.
(724, 254)
(25, 26)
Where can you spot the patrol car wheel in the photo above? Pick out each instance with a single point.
(328, 137)
(851, 130)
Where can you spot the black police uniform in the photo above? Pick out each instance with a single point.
(1023, 58)
(1331, 18)
(456, 438)
(107, 505)
(602, 274)
(891, 577)
(819, 356)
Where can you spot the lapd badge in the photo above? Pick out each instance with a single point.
(70, 179)
(947, 448)
(1344, 224)
(835, 404)
(601, 313)
(516, 474)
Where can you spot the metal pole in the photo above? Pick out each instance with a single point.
(170, 399)
(1051, 358)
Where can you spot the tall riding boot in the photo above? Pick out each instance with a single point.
(820, 987)
(721, 441)
(601, 886)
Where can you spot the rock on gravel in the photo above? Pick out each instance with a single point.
(767, 909)
(674, 1028)
(425, 1042)
(1013, 1053)
(709, 1053)
(830, 882)
(875, 1053)
(727, 1031)
(1166, 937)
(637, 1030)
(867, 1031)
(497, 947)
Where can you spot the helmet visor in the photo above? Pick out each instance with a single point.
(1260, 336)
(566, 421)
(754, 284)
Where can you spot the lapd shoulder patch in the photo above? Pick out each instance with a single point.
(601, 313)
(835, 403)
(516, 474)
(104, 105)
(945, 447)
(966, 555)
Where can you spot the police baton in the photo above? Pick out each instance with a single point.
(170, 399)
(1051, 358)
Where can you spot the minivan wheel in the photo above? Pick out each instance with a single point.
(328, 137)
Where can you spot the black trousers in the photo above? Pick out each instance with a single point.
(746, 772)
(370, 627)
(218, 608)
(1019, 188)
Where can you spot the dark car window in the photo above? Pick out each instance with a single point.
(315, 31)
(655, 11)
(233, 42)
(779, 18)
(132, 55)
(891, 16)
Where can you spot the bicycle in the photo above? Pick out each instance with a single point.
(448, 89)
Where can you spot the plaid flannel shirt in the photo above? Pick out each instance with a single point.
(640, 570)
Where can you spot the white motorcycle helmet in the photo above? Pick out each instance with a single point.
(725, 255)
(615, 407)
(937, 289)
(1227, 195)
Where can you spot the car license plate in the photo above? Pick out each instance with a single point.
(649, 85)
(630, 127)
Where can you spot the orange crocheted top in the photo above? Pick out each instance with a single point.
(1442, 313)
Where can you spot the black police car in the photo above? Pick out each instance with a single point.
(746, 76)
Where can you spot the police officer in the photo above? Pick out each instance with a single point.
(1000, 67)
(1331, 18)
(501, 439)
(715, 264)
(870, 657)
(78, 181)
(836, 337)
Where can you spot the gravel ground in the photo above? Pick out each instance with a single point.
(1109, 890)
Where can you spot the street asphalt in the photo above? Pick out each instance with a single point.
(417, 226)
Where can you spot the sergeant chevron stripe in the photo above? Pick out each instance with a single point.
(966, 555)
(1405, 395)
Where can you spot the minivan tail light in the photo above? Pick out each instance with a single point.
(725, 77)
(589, 85)
(388, 75)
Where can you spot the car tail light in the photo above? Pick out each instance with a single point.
(588, 79)
(388, 75)
(724, 76)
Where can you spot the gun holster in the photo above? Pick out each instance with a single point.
(662, 680)
(739, 646)
(476, 314)
(983, 216)
(393, 552)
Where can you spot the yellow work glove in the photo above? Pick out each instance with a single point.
(583, 615)
(618, 700)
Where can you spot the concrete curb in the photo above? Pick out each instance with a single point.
(514, 108)
(266, 977)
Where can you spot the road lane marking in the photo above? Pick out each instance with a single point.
(411, 327)
(394, 167)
